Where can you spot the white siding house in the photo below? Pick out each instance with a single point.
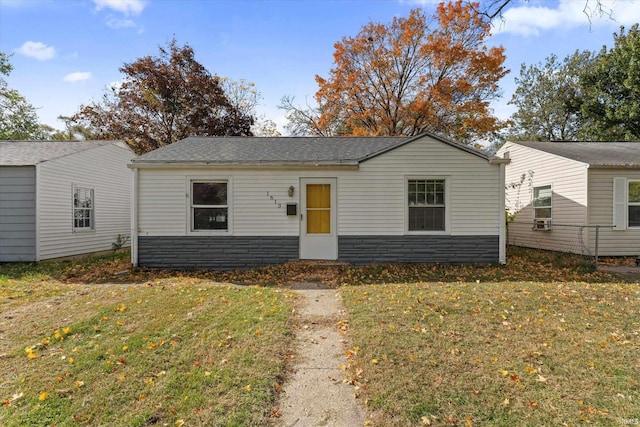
(235, 202)
(62, 198)
(558, 192)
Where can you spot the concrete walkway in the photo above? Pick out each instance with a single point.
(629, 272)
(315, 394)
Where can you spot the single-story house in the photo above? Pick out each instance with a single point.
(235, 202)
(558, 192)
(62, 198)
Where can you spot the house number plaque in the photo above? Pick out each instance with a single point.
(274, 200)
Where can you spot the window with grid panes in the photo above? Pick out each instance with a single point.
(83, 208)
(426, 200)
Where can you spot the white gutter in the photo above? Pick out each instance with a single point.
(37, 197)
(134, 218)
(236, 165)
(502, 239)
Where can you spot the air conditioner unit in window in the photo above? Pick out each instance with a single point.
(542, 224)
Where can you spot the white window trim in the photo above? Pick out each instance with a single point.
(92, 228)
(533, 198)
(189, 189)
(447, 205)
(630, 203)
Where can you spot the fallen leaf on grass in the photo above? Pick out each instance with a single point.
(43, 396)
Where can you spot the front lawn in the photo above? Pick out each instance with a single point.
(151, 354)
(499, 354)
(544, 340)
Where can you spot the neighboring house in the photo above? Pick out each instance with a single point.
(233, 202)
(559, 192)
(62, 198)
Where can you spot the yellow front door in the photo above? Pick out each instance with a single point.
(318, 237)
(318, 208)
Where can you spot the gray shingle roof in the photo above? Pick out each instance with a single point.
(597, 154)
(28, 153)
(279, 150)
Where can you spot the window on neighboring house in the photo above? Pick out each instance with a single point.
(83, 209)
(542, 202)
(634, 203)
(209, 205)
(426, 199)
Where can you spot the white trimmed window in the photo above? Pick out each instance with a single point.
(209, 205)
(542, 202)
(633, 198)
(83, 208)
(426, 200)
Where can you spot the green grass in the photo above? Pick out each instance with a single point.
(145, 354)
(499, 354)
(554, 342)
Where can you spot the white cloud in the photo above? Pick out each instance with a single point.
(532, 19)
(37, 50)
(116, 23)
(127, 7)
(78, 76)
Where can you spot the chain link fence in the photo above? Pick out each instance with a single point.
(545, 234)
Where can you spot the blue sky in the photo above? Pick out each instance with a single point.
(66, 52)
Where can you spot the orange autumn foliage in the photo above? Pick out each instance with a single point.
(414, 75)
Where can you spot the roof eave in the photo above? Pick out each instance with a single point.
(624, 166)
(350, 164)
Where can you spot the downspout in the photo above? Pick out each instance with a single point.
(502, 233)
(37, 200)
(134, 218)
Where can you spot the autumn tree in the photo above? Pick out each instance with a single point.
(413, 75)
(163, 99)
(612, 88)
(549, 97)
(18, 118)
(244, 97)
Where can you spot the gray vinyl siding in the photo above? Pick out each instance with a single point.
(219, 253)
(419, 249)
(17, 213)
(612, 242)
(234, 252)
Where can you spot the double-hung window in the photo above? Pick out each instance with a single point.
(83, 209)
(426, 204)
(209, 206)
(542, 202)
(633, 197)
